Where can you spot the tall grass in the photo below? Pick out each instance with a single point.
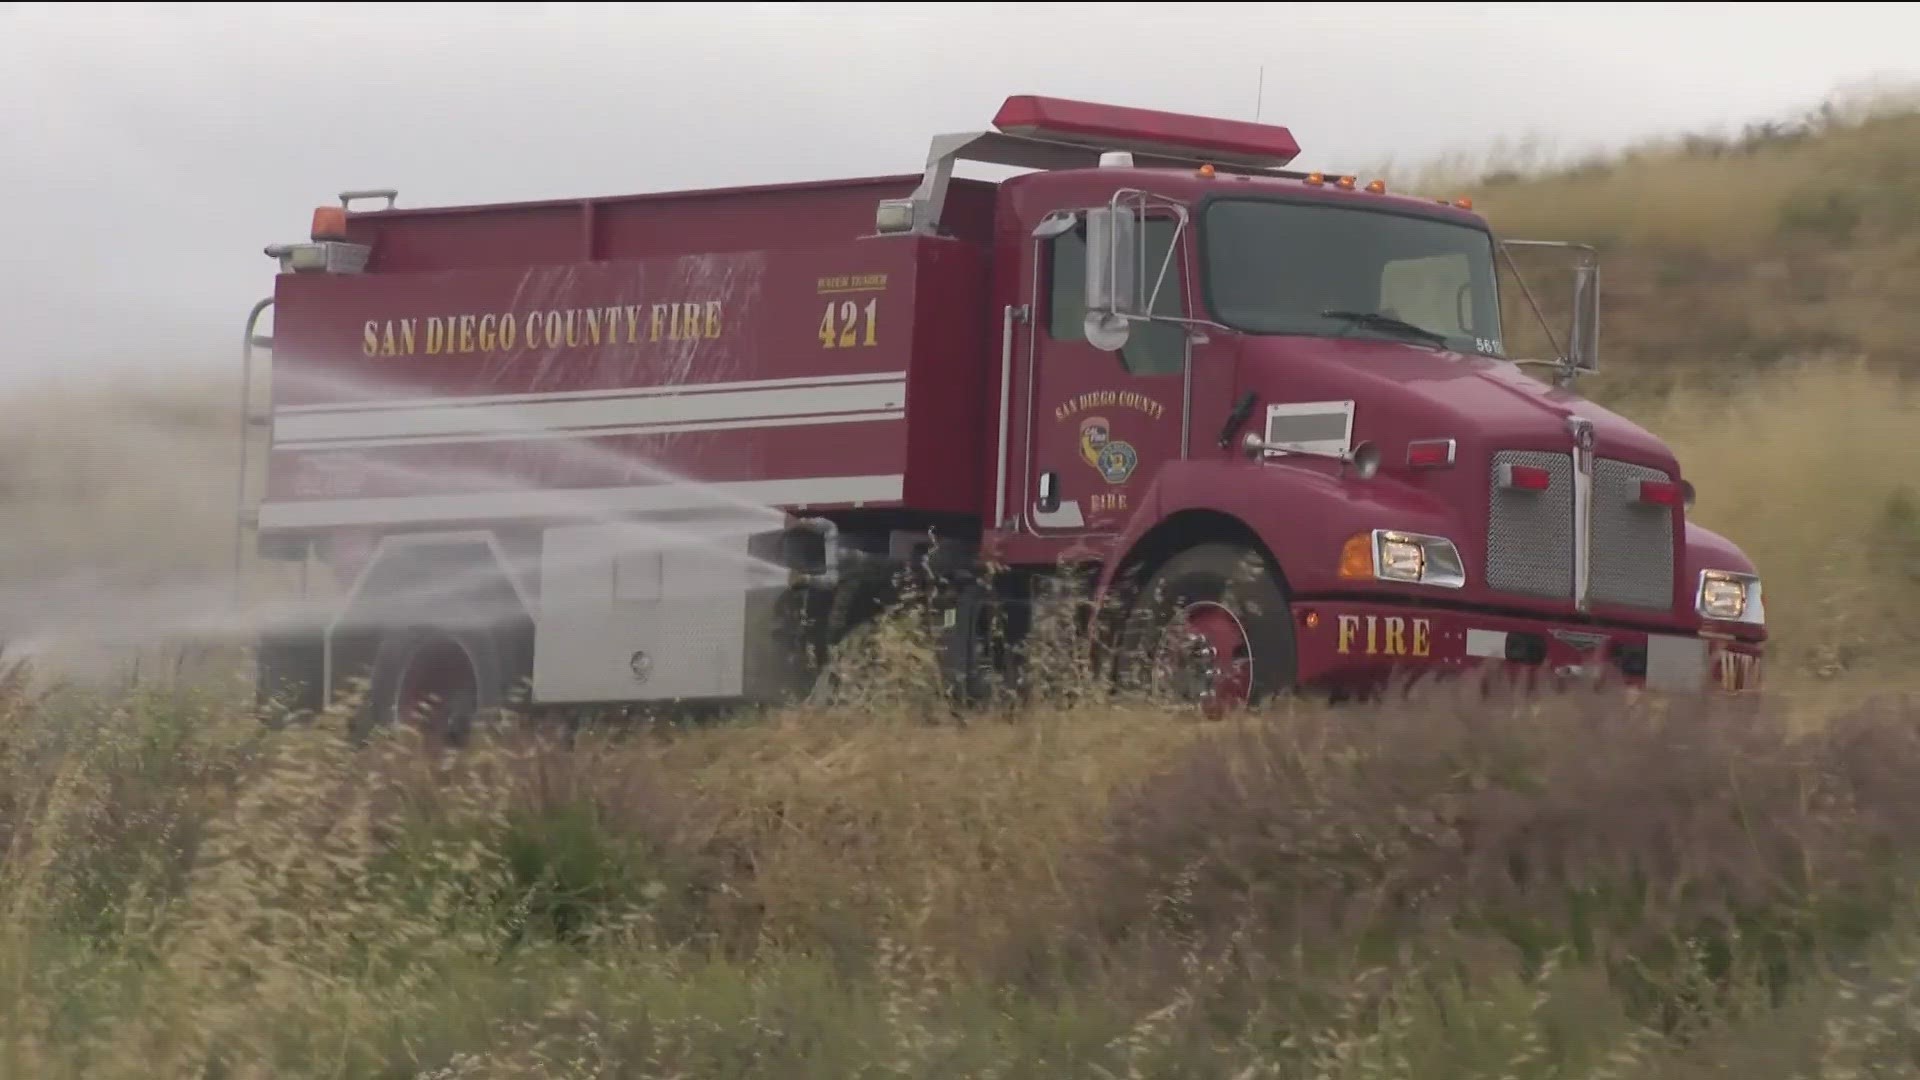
(1462, 882)
(1811, 469)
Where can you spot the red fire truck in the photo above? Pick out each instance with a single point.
(669, 447)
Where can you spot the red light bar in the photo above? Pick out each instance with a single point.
(1525, 477)
(1232, 142)
(1430, 453)
(1660, 493)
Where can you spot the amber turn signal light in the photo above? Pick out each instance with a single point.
(1356, 557)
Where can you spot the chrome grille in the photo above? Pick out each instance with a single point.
(1530, 533)
(1530, 541)
(1632, 540)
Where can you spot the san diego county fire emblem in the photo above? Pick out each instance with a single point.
(1111, 458)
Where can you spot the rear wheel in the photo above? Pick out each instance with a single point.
(1211, 628)
(439, 679)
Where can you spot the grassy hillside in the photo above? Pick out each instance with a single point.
(1450, 886)
(1723, 254)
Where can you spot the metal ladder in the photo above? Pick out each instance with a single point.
(250, 418)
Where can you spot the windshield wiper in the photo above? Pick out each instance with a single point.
(1378, 321)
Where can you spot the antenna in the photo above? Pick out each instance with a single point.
(1260, 94)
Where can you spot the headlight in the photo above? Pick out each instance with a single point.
(1389, 555)
(1726, 596)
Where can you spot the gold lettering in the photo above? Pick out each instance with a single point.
(1422, 637)
(593, 327)
(1373, 643)
(1396, 636)
(1349, 625)
(1125, 399)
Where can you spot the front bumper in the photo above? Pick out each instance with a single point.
(1361, 645)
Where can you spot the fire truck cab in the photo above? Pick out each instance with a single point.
(673, 446)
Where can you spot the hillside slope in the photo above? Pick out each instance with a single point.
(1791, 240)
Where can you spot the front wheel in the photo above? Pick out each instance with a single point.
(1211, 628)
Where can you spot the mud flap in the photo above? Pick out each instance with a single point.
(962, 619)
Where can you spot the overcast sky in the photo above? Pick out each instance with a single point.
(148, 153)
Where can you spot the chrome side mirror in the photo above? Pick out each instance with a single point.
(1113, 276)
(1582, 352)
(1583, 345)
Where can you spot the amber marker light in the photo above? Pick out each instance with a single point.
(1377, 187)
(1356, 557)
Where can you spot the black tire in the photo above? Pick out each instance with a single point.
(1217, 585)
(466, 669)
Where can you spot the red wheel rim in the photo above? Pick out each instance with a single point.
(437, 680)
(1209, 658)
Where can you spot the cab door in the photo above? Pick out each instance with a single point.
(1101, 424)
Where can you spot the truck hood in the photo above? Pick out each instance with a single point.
(1404, 392)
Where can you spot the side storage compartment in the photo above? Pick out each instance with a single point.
(639, 612)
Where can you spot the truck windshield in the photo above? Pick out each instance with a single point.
(1299, 268)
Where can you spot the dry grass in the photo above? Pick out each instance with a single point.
(1444, 886)
(1792, 239)
(1811, 469)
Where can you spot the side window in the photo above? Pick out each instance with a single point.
(1154, 348)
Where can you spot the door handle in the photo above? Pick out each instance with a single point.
(1049, 492)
